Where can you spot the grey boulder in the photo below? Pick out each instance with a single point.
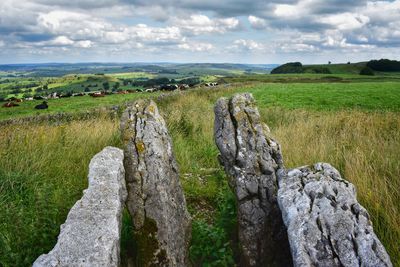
(326, 225)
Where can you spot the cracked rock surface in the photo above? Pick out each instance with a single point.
(91, 234)
(325, 223)
(252, 158)
(155, 197)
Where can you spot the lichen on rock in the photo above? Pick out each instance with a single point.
(155, 196)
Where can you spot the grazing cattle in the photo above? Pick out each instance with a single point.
(66, 95)
(42, 106)
(151, 90)
(14, 99)
(38, 97)
(123, 92)
(183, 86)
(97, 94)
(78, 94)
(211, 84)
(169, 87)
(10, 105)
(53, 96)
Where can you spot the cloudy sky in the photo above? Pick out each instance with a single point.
(242, 31)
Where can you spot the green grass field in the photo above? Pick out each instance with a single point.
(313, 96)
(354, 126)
(68, 105)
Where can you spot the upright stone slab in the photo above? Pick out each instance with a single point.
(251, 158)
(155, 197)
(326, 225)
(91, 234)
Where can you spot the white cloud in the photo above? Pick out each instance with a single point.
(196, 46)
(284, 10)
(201, 24)
(84, 44)
(61, 41)
(248, 44)
(345, 21)
(256, 22)
(297, 47)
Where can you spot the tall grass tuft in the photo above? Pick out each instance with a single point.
(43, 170)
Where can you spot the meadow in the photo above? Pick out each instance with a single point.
(354, 126)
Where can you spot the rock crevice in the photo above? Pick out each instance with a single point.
(252, 158)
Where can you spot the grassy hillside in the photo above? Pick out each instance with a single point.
(356, 127)
(343, 68)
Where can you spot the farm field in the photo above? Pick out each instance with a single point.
(312, 96)
(353, 125)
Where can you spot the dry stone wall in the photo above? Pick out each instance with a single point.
(326, 224)
(91, 234)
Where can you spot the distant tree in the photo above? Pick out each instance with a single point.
(384, 65)
(348, 62)
(87, 89)
(125, 82)
(116, 86)
(367, 71)
(329, 62)
(45, 87)
(26, 95)
(106, 85)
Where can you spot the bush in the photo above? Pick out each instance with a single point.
(292, 67)
(367, 71)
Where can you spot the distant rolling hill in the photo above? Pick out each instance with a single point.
(342, 68)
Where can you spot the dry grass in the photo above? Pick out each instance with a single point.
(364, 147)
(43, 170)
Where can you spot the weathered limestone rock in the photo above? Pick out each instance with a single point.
(326, 225)
(251, 158)
(91, 234)
(155, 197)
